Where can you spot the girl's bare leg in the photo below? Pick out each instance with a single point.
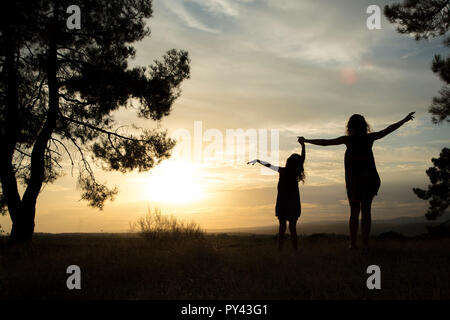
(293, 231)
(366, 221)
(281, 232)
(355, 207)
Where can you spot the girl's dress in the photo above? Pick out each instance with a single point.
(288, 199)
(361, 176)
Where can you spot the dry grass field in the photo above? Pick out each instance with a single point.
(115, 266)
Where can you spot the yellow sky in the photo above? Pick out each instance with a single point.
(297, 68)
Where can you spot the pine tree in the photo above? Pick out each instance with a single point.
(59, 89)
(426, 19)
(438, 192)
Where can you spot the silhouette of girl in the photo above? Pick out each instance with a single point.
(288, 206)
(361, 176)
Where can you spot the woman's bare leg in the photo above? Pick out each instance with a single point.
(293, 231)
(355, 207)
(366, 221)
(281, 232)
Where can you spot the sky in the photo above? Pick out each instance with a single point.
(282, 68)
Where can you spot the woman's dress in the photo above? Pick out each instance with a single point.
(361, 176)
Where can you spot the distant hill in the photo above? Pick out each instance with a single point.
(408, 226)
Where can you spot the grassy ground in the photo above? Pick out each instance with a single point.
(223, 267)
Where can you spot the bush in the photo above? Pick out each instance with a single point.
(155, 225)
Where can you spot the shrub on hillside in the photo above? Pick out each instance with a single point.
(155, 225)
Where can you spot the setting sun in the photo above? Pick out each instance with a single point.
(173, 182)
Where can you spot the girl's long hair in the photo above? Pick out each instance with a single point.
(294, 165)
(357, 125)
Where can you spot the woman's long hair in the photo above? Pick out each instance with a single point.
(357, 125)
(294, 165)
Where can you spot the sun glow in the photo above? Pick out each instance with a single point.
(173, 182)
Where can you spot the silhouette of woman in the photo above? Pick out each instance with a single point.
(361, 176)
(288, 206)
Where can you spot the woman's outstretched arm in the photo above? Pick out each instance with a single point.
(265, 164)
(392, 127)
(324, 142)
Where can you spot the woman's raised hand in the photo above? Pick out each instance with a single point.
(409, 117)
(253, 162)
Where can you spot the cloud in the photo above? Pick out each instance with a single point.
(218, 7)
(178, 8)
(320, 32)
(201, 14)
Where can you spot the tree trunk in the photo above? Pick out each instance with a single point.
(23, 227)
(9, 130)
(22, 211)
(23, 224)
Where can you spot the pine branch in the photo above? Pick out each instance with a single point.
(109, 133)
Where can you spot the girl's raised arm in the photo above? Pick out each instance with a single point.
(392, 127)
(303, 155)
(264, 163)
